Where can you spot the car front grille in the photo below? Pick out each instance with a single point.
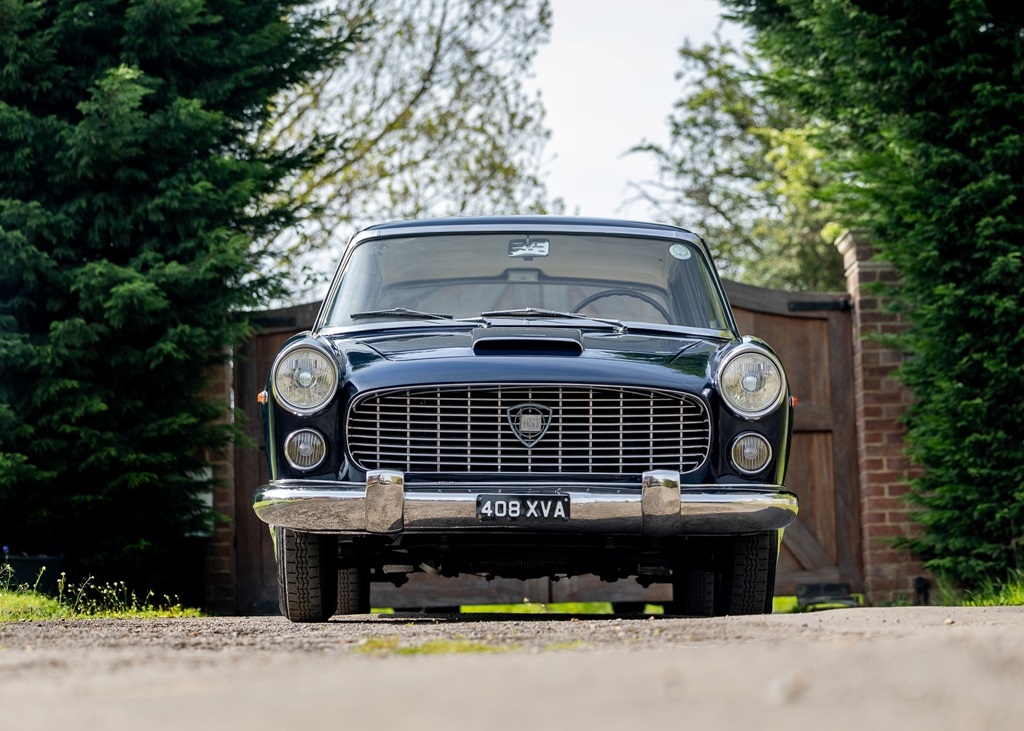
(544, 429)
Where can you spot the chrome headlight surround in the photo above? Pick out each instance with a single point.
(304, 378)
(751, 381)
(750, 453)
(305, 449)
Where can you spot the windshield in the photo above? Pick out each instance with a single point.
(466, 275)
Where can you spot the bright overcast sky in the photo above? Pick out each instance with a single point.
(607, 79)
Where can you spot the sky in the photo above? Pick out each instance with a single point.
(607, 80)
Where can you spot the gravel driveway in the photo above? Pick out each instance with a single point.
(906, 668)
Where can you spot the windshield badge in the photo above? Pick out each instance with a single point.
(529, 422)
(528, 248)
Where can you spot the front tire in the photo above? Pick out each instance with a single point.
(749, 584)
(307, 575)
(353, 591)
(728, 576)
(693, 593)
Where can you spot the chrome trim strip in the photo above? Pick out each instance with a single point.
(344, 507)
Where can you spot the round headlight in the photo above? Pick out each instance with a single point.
(752, 383)
(305, 449)
(305, 378)
(750, 453)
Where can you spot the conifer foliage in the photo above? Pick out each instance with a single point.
(929, 96)
(132, 201)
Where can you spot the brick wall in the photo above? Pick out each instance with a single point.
(884, 469)
(220, 589)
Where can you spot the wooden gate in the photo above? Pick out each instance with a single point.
(811, 334)
(256, 572)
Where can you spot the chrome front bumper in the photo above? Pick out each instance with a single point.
(660, 507)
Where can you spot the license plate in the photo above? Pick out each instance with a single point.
(522, 508)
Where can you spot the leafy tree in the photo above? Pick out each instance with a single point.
(131, 192)
(930, 97)
(433, 114)
(744, 168)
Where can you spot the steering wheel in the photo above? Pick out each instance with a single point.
(623, 293)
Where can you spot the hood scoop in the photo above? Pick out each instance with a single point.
(527, 341)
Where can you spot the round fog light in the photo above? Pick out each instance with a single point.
(750, 453)
(305, 449)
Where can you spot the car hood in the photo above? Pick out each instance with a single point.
(539, 354)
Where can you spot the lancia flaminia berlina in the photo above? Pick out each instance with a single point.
(526, 397)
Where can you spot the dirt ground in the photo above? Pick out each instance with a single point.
(892, 668)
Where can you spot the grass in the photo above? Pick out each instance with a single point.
(22, 602)
(785, 605)
(1009, 593)
(538, 608)
(457, 646)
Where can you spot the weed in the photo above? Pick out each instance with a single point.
(569, 645)
(458, 646)
(993, 594)
(81, 601)
(540, 608)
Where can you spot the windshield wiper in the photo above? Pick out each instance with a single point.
(538, 312)
(401, 312)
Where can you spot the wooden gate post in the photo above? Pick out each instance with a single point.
(880, 402)
(221, 560)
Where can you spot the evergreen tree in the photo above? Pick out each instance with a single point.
(132, 195)
(930, 96)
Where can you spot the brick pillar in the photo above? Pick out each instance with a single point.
(219, 583)
(881, 399)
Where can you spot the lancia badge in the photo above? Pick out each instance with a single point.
(529, 422)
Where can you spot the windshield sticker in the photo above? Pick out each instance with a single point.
(679, 251)
(528, 248)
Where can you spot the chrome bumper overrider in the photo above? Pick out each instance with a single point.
(660, 507)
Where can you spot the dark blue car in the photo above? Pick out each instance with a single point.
(526, 397)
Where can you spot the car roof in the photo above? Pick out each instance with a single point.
(567, 224)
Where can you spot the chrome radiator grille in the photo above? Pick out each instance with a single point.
(482, 428)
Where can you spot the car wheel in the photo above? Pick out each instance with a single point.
(693, 593)
(749, 584)
(353, 591)
(734, 576)
(307, 576)
(278, 541)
